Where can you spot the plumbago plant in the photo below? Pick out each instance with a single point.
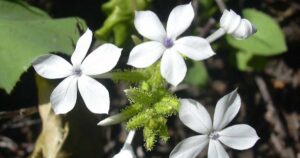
(159, 62)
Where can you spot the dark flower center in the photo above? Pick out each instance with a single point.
(168, 43)
(214, 135)
(77, 71)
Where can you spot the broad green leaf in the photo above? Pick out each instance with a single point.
(246, 61)
(269, 39)
(197, 74)
(119, 22)
(19, 10)
(24, 40)
(242, 60)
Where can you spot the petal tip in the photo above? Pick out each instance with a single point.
(100, 123)
(58, 112)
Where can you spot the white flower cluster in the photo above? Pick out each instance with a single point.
(167, 45)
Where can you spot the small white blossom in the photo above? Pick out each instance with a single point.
(195, 116)
(233, 24)
(165, 43)
(79, 74)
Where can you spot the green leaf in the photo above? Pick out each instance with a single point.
(242, 60)
(269, 39)
(137, 95)
(19, 10)
(246, 61)
(197, 74)
(120, 19)
(24, 40)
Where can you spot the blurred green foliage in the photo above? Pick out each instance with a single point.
(207, 8)
(26, 33)
(268, 41)
(119, 22)
(197, 74)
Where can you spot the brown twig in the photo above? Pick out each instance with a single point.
(272, 116)
(18, 113)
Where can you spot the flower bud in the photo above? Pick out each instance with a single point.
(112, 120)
(233, 24)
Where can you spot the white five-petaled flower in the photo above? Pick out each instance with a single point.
(165, 43)
(94, 94)
(195, 116)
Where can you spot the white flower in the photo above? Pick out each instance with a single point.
(195, 116)
(165, 43)
(94, 94)
(236, 26)
(126, 152)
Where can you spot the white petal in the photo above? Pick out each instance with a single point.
(148, 25)
(82, 46)
(52, 66)
(63, 97)
(226, 109)
(172, 67)
(230, 21)
(126, 152)
(94, 94)
(195, 116)
(145, 54)
(194, 47)
(179, 20)
(216, 150)
(244, 30)
(190, 147)
(101, 60)
(238, 137)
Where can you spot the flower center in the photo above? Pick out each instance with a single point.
(77, 71)
(168, 43)
(214, 135)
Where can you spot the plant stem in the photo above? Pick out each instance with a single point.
(102, 76)
(216, 35)
(221, 5)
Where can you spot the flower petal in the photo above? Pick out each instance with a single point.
(145, 54)
(238, 137)
(216, 150)
(179, 20)
(148, 25)
(172, 67)
(82, 47)
(101, 60)
(226, 109)
(195, 116)
(194, 47)
(52, 66)
(190, 147)
(94, 95)
(63, 98)
(126, 152)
